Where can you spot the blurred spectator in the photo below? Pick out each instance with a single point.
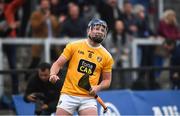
(128, 18)
(10, 12)
(167, 29)
(146, 53)
(168, 26)
(42, 92)
(89, 11)
(59, 8)
(74, 25)
(44, 25)
(109, 11)
(142, 22)
(8, 27)
(174, 50)
(5, 28)
(26, 12)
(117, 44)
(143, 31)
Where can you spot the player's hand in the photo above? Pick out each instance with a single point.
(53, 78)
(94, 90)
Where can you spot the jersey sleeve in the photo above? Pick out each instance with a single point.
(108, 65)
(68, 51)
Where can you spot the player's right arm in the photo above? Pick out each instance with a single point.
(57, 65)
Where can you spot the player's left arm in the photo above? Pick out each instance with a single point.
(106, 80)
(106, 77)
(106, 74)
(105, 83)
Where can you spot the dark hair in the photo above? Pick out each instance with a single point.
(43, 66)
(114, 34)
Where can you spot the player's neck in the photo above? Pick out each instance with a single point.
(92, 43)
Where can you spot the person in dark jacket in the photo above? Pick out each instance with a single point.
(42, 92)
(174, 50)
(74, 25)
(110, 12)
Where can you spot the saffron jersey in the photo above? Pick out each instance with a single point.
(83, 58)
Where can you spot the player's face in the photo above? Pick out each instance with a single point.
(44, 74)
(97, 33)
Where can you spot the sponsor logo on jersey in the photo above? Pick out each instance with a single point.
(86, 67)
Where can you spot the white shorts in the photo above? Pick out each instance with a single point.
(73, 103)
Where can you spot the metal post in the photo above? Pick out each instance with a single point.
(134, 58)
(47, 45)
(160, 8)
(120, 4)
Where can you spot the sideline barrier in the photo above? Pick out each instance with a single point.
(21, 107)
(126, 102)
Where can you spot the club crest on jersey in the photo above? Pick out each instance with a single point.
(99, 59)
(90, 54)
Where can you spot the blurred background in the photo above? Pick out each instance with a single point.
(143, 39)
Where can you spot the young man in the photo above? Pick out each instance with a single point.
(42, 92)
(85, 57)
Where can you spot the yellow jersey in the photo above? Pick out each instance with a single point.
(83, 58)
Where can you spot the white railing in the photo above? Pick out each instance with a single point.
(30, 41)
(146, 42)
(134, 49)
(63, 41)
